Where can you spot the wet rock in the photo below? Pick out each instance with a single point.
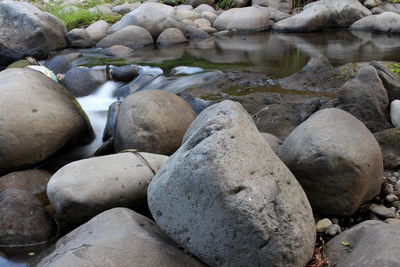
(23, 220)
(273, 141)
(384, 22)
(318, 75)
(77, 195)
(333, 230)
(323, 225)
(8, 56)
(337, 161)
(366, 98)
(62, 63)
(152, 121)
(125, 8)
(193, 32)
(390, 80)
(30, 28)
(311, 19)
(342, 12)
(124, 73)
(389, 141)
(34, 181)
(119, 51)
(98, 30)
(82, 81)
(395, 113)
(148, 16)
(382, 211)
(281, 5)
(171, 36)
(391, 198)
(371, 244)
(224, 192)
(246, 19)
(130, 36)
(109, 129)
(120, 238)
(79, 38)
(38, 118)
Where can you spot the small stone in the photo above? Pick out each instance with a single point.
(397, 175)
(333, 230)
(392, 179)
(335, 221)
(393, 221)
(397, 187)
(389, 188)
(391, 198)
(323, 225)
(396, 204)
(382, 211)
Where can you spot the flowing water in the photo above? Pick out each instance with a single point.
(177, 68)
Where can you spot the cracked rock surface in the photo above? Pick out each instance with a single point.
(228, 199)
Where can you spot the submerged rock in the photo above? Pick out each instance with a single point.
(337, 161)
(117, 238)
(38, 118)
(82, 81)
(224, 192)
(85, 188)
(152, 121)
(370, 244)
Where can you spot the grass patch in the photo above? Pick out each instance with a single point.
(80, 16)
(395, 67)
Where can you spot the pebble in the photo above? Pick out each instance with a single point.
(393, 221)
(391, 198)
(323, 224)
(397, 175)
(389, 188)
(382, 211)
(396, 204)
(335, 221)
(392, 179)
(333, 230)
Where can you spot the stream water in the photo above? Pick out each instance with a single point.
(177, 68)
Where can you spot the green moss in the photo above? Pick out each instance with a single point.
(225, 4)
(389, 136)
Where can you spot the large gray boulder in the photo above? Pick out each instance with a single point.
(152, 121)
(130, 36)
(384, 22)
(342, 12)
(24, 27)
(246, 19)
(148, 16)
(366, 98)
(85, 188)
(227, 198)
(38, 118)
(117, 238)
(372, 243)
(337, 161)
(311, 19)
